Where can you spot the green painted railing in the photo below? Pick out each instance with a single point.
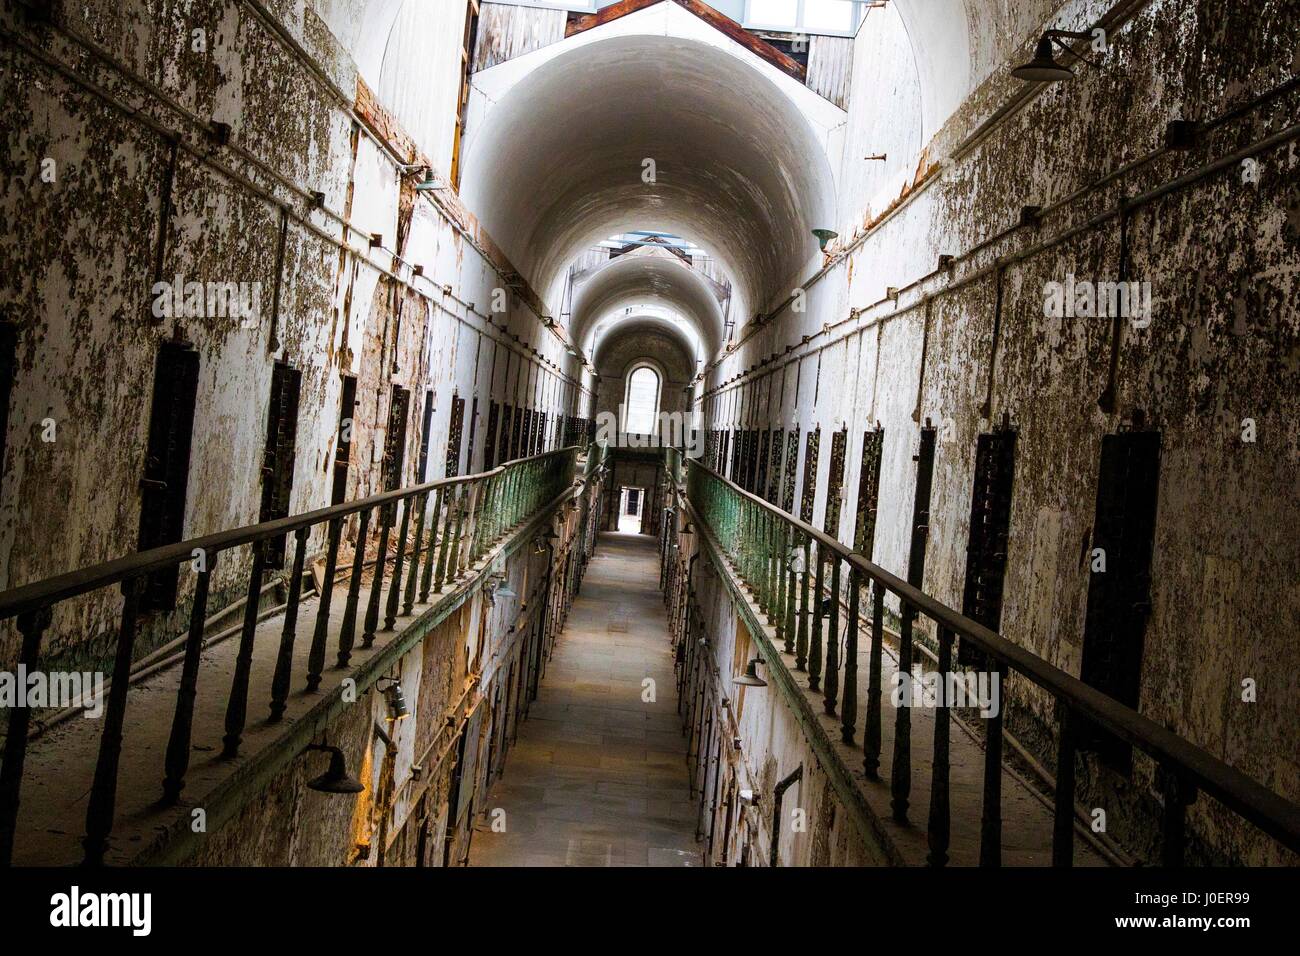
(445, 528)
(797, 575)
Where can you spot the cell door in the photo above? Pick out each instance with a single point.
(167, 463)
(278, 455)
(986, 549)
(864, 527)
(1119, 587)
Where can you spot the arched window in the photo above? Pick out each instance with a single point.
(641, 406)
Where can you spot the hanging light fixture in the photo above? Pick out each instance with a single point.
(336, 779)
(396, 700)
(750, 678)
(795, 562)
(1044, 68)
(428, 183)
(824, 236)
(495, 586)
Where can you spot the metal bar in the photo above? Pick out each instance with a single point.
(900, 771)
(831, 679)
(1063, 808)
(237, 705)
(849, 703)
(284, 658)
(939, 822)
(408, 599)
(32, 625)
(395, 586)
(376, 584)
(991, 817)
(347, 632)
(103, 789)
(177, 759)
(316, 657)
(815, 607)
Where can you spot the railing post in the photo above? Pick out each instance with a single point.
(284, 658)
(816, 603)
(348, 630)
(849, 696)
(237, 707)
(1178, 794)
(831, 680)
(1063, 811)
(871, 735)
(408, 599)
(431, 557)
(377, 580)
(938, 826)
(177, 760)
(395, 586)
(801, 641)
(900, 772)
(103, 790)
(450, 503)
(991, 819)
(31, 625)
(320, 636)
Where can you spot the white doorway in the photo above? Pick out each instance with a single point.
(631, 506)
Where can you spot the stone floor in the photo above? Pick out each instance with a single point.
(598, 775)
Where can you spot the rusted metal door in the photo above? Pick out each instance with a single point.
(990, 522)
(278, 455)
(167, 463)
(1119, 586)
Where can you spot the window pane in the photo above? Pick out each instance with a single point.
(642, 402)
(773, 13)
(834, 15)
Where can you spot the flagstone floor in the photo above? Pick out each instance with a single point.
(598, 775)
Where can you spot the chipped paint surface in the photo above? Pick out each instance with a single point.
(1222, 259)
(349, 304)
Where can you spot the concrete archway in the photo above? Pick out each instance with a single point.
(558, 161)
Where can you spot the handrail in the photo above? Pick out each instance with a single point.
(70, 584)
(751, 523)
(467, 516)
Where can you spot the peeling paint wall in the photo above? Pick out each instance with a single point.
(1220, 253)
(84, 251)
(815, 828)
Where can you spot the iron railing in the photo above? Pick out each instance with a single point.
(787, 564)
(456, 522)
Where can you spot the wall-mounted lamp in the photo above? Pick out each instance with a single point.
(824, 236)
(336, 779)
(1043, 68)
(396, 700)
(495, 586)
(428, 183)
(750, 678)
(545, 542)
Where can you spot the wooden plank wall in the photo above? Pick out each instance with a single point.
(830, 68)
(506, 31)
